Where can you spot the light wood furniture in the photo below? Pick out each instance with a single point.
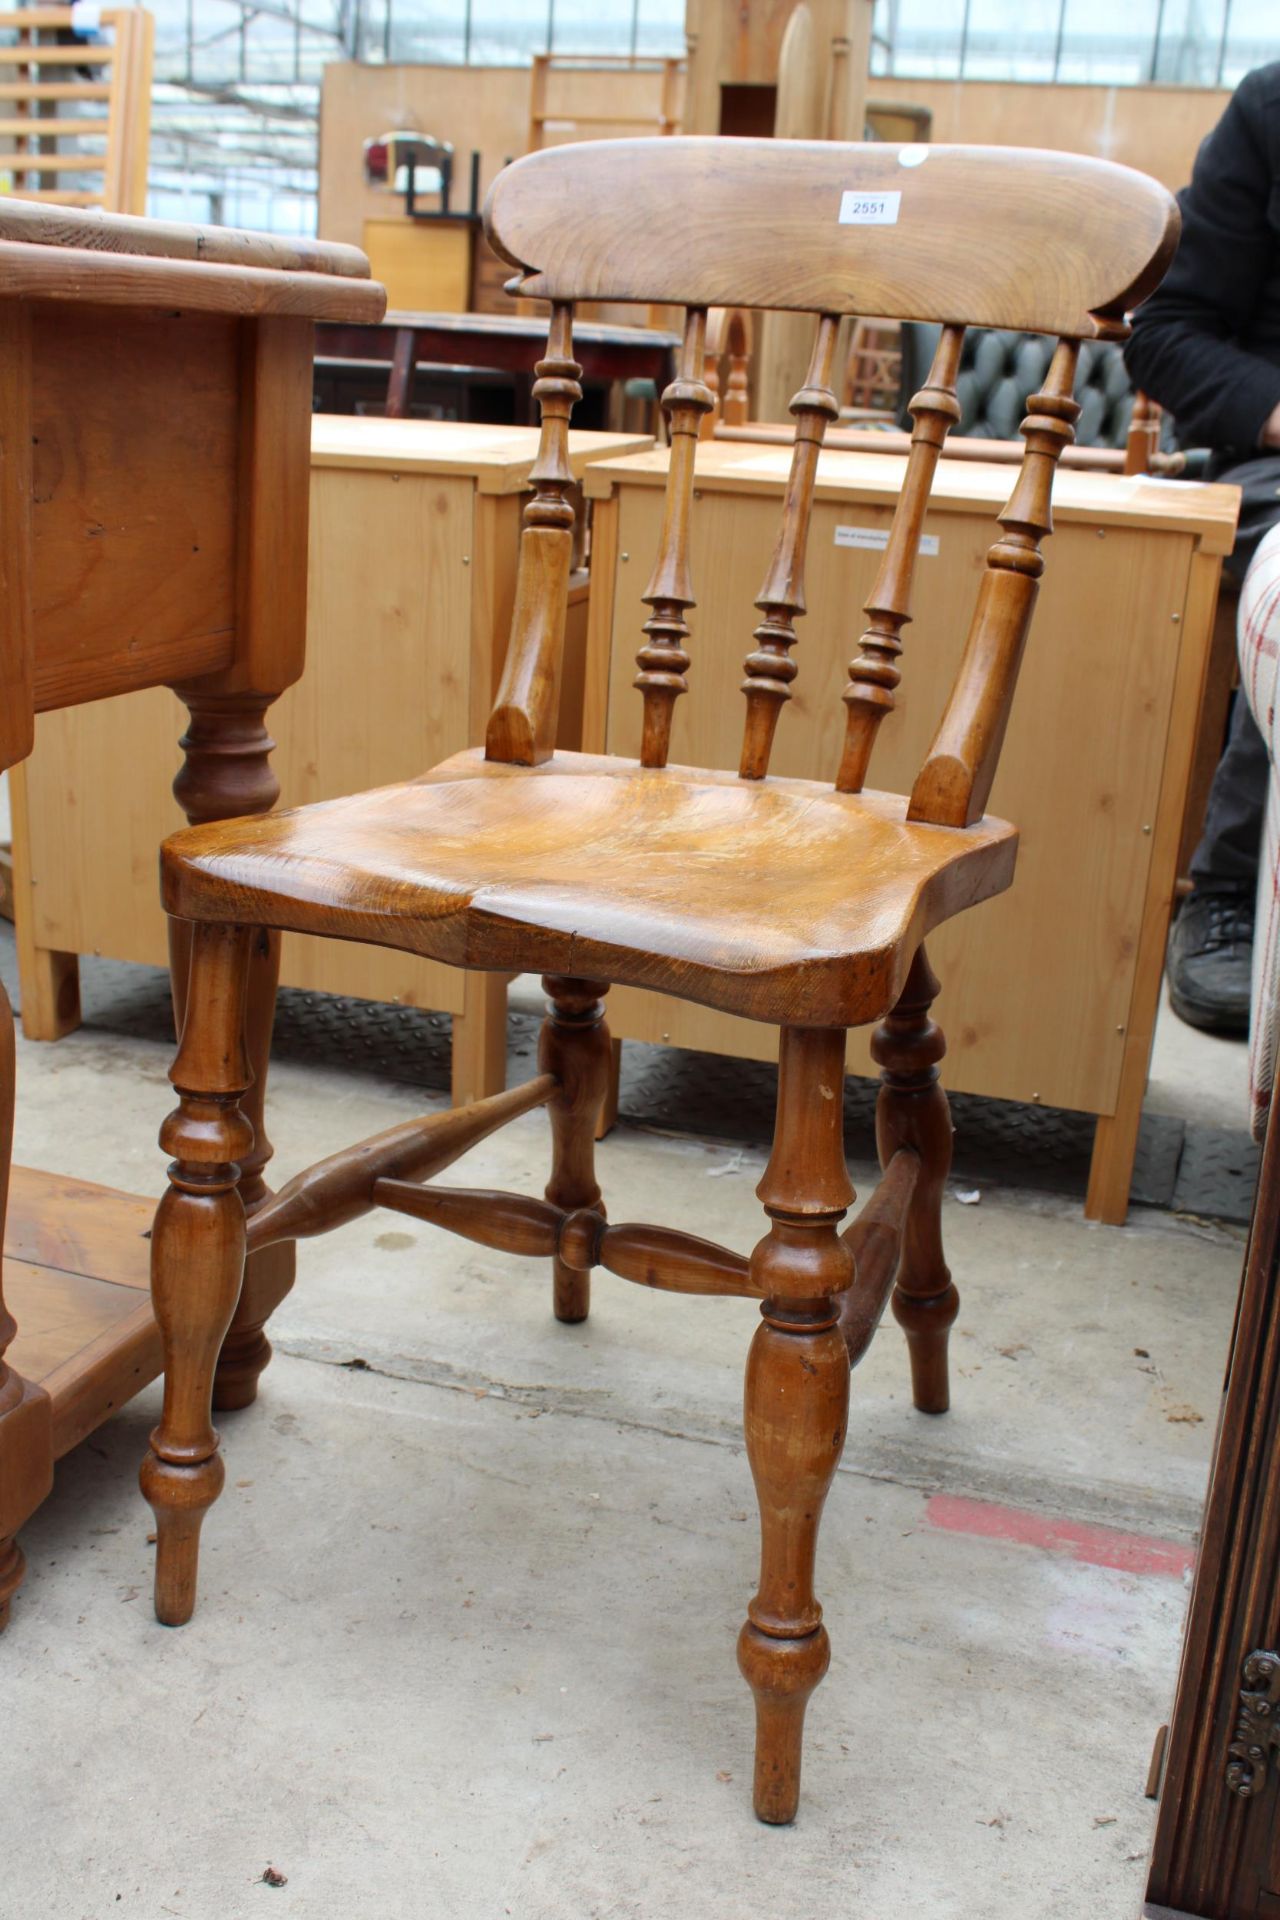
(566, 96)
(1217, 1843)
(415, 527)
(789, 902)
(726, 368)
(1127, 603)
(55, 97)
(155, 387)
(424, 265)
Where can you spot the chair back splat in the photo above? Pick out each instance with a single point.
(962, 236)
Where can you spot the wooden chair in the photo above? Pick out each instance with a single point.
(800, 903)
(729, 336)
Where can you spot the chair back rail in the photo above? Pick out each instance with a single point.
(994, 237)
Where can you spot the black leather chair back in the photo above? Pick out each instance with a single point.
(997, 372)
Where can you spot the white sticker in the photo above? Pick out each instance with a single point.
(869, 209)
(876, 539)
(86, 16)
(912, 156)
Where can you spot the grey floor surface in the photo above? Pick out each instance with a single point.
(465, 1642)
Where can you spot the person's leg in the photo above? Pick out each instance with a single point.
(1211, 946)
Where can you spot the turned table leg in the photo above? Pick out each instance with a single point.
(227, 773)
(796, 1403)
(913, 1111)
(26, 1434)
(197, 1256)
(574, 1045)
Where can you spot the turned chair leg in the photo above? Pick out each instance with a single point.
(269, 1273)
(197, 1255)
(797, 1401)
(574, 1045)
(913, 1111)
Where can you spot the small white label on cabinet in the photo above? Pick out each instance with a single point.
(876, 539)
(869, 209)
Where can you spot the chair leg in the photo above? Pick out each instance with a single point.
(227, 772)
(197, 1256)
(268, 1274)
(913, 1111)
(574, 1045)
(797, 1401)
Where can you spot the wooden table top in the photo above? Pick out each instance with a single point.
(498, 458)
(531, 326)
(1207, 510)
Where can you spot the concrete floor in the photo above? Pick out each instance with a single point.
(468, 1609)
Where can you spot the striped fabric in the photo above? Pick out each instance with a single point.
(1258, 640)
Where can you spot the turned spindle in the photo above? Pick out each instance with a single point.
(770, 668)
(1142, 441)
(874, 673)
(663, 660)
(522, 725)
(953, 785)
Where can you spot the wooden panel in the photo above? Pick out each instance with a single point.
(273, 484)
(134, 507)
(124, 236)
(481, 109)
(60, 1314)
(1080, 777)
(412, 565)
(77, 1261)
(79, 1228)
(1156, 129)
(424, 265)
(1117, 1135)
(16, 650)
(1217, 1850)
(376, 542)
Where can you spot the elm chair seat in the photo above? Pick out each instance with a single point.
(617, 870)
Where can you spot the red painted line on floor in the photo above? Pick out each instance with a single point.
(1075, 1539)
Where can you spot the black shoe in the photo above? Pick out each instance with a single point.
(1210, 960)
